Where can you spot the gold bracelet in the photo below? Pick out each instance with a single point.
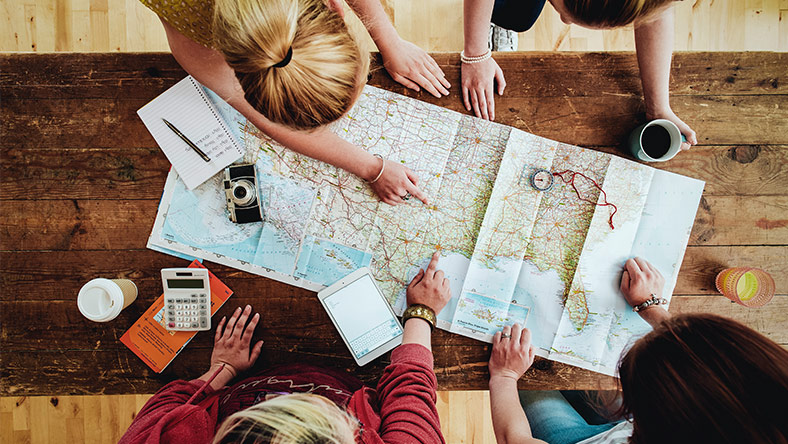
(422, 312)
(382, 168)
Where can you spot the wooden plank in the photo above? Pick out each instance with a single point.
(531, 74)
(584, 121)
(63, 372)
(738, 170)
(112, 173)
(139, 173)
(741, 220)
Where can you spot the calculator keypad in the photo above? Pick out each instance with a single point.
(188, 312)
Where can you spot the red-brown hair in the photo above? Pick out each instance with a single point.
(702, 378)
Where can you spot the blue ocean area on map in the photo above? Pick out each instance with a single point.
(326, 262)
(188, 222)
(543, 291)
(487, 315)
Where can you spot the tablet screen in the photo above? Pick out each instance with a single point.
(362, 315)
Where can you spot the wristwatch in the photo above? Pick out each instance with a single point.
(422, 312)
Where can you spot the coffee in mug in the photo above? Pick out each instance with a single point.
(101, 300)
(656, 141)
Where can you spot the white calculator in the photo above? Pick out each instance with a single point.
(187, 299)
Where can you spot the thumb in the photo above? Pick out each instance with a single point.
(625, 282)
(255, 352)
(500, 79)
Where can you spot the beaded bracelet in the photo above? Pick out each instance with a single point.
(382, 167)
(475, 59)
(648, 303)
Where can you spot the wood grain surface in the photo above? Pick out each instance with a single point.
(80, 180)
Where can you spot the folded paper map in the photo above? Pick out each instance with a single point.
(551, 259)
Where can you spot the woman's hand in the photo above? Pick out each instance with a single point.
(512, 353)
(397, 184)
(413, 67)
(685, 129)
(478, 87)
(429, 287)
(640, 280)
(231, 343)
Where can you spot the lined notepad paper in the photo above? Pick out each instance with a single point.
(188, 108)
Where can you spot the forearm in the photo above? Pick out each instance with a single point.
(417, 331)
(222, 379)
(654, 315)
(654, 45)
(476, 25)
(509, 421)
(320, 144)
(376, 21)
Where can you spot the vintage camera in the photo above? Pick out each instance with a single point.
(240, 187)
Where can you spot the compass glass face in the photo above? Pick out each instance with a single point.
(542, 180)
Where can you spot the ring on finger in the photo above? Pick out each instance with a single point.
(407, 196)
(505, 336)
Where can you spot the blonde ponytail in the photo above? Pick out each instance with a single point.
(297, 418)
(326, 67)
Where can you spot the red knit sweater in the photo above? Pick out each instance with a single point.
(401, 410)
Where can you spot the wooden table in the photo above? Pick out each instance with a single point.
(82, 177)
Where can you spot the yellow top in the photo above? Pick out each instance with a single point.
(192, 18)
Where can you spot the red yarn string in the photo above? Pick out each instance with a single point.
(571, 181)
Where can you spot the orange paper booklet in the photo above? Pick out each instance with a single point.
(148, 338)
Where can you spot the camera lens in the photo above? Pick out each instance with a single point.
(243, 192)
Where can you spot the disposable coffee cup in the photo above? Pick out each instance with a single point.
(656, 141)
(102, 300)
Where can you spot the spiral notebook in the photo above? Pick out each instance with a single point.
(189, 109)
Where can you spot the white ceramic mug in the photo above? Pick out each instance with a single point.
(666, 150)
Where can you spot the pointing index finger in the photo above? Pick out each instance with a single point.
(433, 264)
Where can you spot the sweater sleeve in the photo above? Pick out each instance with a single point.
(167, 399)
(406, 394)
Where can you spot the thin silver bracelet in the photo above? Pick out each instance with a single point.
(475, 59)
(382, 168)
(648, 303)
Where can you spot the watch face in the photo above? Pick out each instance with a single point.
(542, 180)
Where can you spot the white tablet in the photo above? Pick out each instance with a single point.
(362, 316)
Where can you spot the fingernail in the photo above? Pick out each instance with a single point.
(248, 307)
(257, 315)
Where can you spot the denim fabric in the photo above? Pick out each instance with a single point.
(516, 15)
(554, 420)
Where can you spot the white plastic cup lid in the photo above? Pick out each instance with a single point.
(100, 300)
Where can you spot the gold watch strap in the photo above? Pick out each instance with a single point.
(422, 312)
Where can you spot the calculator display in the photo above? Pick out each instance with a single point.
(185, 283)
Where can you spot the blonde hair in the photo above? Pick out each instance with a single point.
(327, 66)
(297, 418)
(613, 13)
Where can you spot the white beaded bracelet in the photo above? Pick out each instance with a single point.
(382, 167)
(475, 59)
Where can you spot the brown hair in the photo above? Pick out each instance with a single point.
(325, 66)
(613, 13)
(701, 378)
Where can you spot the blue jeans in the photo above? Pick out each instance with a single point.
(516, 15)
(554, 420)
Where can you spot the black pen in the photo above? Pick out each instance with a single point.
(186, 139)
